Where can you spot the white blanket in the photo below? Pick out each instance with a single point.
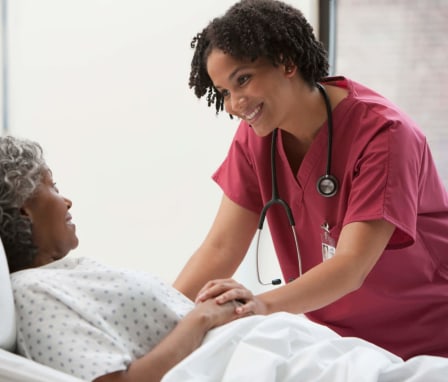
(290, 348)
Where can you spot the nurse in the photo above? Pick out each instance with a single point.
(375, 255)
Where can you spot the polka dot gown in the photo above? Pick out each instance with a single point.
(87, 319)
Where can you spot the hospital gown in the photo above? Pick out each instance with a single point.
(87, 319)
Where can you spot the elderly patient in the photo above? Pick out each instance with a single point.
(74, 314)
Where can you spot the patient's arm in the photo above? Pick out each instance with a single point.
(186, 337)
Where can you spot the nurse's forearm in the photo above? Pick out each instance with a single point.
(210, 261)
(359, 248)
(316, 288)
(223, 249)
(203, 266)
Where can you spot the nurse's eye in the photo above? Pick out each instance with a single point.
(243, 79)
(225, 93)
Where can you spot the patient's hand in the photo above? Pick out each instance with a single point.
(212, 314)
(225, 290)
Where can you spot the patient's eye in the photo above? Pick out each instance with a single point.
(53, 185)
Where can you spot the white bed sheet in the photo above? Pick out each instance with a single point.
(14, 368)
(290, 348)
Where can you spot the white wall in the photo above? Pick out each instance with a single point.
(103, 86)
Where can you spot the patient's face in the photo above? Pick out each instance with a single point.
(54, 234)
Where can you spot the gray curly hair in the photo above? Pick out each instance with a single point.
(22, 166)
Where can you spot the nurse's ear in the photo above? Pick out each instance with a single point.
(290, 70)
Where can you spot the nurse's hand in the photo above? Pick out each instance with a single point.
(225, 290)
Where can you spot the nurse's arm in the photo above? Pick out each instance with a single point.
(223, 249)
(359, 247)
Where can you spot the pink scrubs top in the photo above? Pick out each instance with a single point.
(385, 171)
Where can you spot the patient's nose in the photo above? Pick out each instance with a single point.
(68, 202)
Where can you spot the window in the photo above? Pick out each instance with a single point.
(399, 48)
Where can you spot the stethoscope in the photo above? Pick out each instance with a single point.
(327, 186)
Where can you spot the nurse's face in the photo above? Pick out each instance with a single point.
(257, 91)
(54, 234)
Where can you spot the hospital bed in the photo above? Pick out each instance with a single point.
(280, 347)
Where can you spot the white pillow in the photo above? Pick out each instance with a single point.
(7, 324)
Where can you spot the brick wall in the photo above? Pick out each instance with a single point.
(400, 49)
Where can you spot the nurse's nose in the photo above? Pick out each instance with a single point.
(238, 103)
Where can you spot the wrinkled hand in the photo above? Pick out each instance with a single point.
(225, 290)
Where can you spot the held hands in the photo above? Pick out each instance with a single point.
(210, 314)
(226, 290)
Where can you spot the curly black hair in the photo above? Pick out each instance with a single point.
(21, 169)
(253, 29)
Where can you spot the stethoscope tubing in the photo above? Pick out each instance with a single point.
(329, 125)
(276, 200)
(327, 186)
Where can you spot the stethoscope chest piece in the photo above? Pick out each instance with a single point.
(327, 185)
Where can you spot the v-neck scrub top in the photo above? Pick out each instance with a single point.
(385, 171)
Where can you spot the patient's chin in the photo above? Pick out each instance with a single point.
(75, 243)
(58, 257)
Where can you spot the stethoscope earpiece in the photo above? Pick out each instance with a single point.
(327, 185)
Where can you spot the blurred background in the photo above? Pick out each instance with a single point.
(103, 86)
